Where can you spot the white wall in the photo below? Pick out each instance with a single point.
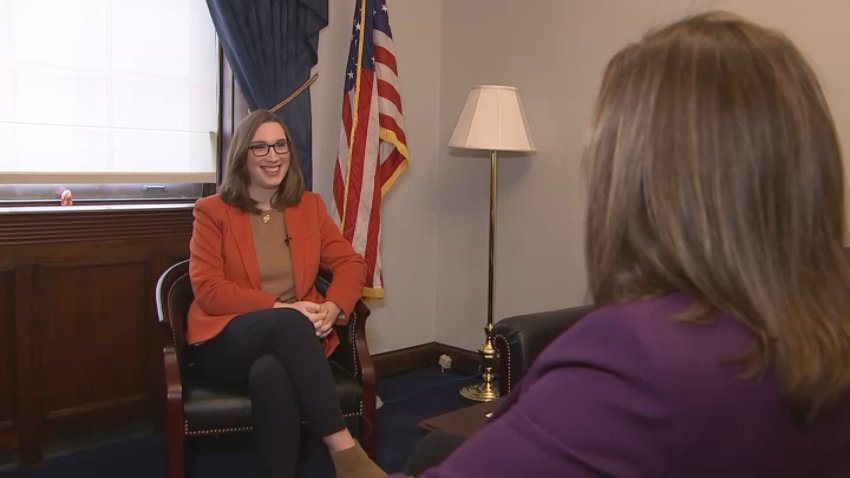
(555, 52)
(436, 217)
(406, 315)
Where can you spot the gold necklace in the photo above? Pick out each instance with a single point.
(267, 216)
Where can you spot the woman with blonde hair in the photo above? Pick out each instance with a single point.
(720, 345)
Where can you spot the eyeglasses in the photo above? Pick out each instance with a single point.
(262, 149)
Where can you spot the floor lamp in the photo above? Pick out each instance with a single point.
(493, 120)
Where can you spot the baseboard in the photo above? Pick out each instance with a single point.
(463, 361)
(416, 357)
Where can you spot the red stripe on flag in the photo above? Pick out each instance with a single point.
(389, 166)
(339, 175)
(388, 122)
(358, 151)
(387, 90)
(338, 189)
(382, 55)
(346, 116)
(373, 239)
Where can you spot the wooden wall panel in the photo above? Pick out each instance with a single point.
(78, 340)
(8, 431)
(102, 310)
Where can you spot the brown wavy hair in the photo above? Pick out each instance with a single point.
(234, 188)
(715, 170)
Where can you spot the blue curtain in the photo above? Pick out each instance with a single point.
(271, 46)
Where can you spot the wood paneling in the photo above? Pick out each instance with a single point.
(26, 362)
(403, 360)
(115, 346)
(395, 362)
(52, 225)
(8, 434)
(77, 318)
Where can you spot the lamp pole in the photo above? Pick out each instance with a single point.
(487, 391)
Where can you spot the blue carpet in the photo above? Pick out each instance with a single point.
(408, 399)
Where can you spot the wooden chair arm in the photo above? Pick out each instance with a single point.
(353, 351)
(173, 383)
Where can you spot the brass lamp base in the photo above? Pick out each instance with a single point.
(485, 391)
(480, 392)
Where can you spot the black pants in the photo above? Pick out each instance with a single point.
(275, 354)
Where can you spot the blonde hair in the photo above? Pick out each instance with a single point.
(715, 170)
(234, 188)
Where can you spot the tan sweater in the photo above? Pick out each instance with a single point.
(273, 256)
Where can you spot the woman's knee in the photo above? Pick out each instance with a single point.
(266, 371)
(291, 323)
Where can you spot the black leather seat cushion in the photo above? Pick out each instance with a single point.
(208, 406)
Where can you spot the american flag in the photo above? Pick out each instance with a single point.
(372, 145)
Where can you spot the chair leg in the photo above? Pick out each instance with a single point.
(176, 459)
(367, 435)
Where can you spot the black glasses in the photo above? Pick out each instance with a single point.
(262, 149)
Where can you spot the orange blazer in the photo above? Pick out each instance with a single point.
(225, 273)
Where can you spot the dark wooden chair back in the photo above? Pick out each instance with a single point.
(173, 298)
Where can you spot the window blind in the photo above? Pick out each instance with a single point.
(107, 91)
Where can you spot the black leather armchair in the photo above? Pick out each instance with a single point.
(196, 408)
(519, 339)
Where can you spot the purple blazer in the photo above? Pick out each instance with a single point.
(629, 392)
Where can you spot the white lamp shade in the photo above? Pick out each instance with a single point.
(492, 119)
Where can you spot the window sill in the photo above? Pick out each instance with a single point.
(58, 224)
(93, 208)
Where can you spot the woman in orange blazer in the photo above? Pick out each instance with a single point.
(257, 320)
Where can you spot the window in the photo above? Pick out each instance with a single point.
(114, 97)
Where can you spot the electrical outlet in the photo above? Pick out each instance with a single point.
(445, 362)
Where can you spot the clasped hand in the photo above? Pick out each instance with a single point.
(322, 316)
